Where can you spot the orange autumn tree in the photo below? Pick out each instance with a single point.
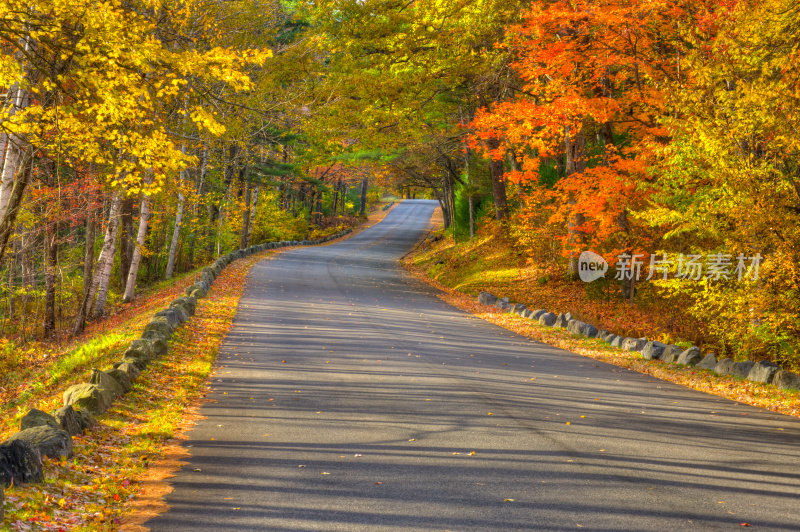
(582, 130)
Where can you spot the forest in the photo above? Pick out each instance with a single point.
(142, 139)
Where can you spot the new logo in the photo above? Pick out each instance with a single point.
(591, 266)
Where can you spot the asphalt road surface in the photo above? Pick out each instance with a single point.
(348, 397)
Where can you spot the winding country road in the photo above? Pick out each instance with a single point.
(348, 397)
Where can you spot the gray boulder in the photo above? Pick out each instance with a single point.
(184, 304)
(122, 379)
(485, 298)
(37, 418)
(20, 463)
(131, 369)
(177, 312)
(139, 363)
(159, 326)
(575, 326)
(561, 321)
(589, 330)
(786, 380)
(85, 419)
(519, 308)
(742, 369)
(670, 353)
(548, 318)
(608, 337)
(708, 362)
(198, 290)
(502, 303)
(724, 366)
(140, 349)
(653, 350)
(617, 341)
(88, 397)
(51, 442)
(633, 344)
(536, 314)
(71, 421)
(107, 382)
(690, 357)
(158, 346)
(763, 371)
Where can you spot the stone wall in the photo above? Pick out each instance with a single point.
(763, 372)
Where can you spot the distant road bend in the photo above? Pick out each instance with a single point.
(348, 397)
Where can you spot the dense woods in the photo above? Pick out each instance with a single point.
(142, 139)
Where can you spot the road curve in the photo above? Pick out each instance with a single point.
(348, 397)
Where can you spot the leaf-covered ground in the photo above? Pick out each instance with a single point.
(36, 374)
(95, 489)
(460, 279)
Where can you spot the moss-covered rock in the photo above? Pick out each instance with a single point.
(20, 463)
(122, 379)
(37, 418)
(106, 382)
(71, 421)
(131, 369)
(50, 441)
(89, 397)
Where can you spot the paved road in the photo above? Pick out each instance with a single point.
(350, 398)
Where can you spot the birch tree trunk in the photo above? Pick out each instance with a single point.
(106, 261)
(14, 202)
(176, 234)
(133, 271)
(13, 149)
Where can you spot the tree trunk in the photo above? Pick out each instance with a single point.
(133, 271)
(470, 194)
(448, 193)
(445, 214)
(496, 171)
(88, 254)
(363, 207)
(253, 213)
(106, 261)
(575, 162)
(51, 268)
(9, 215)
(335, 198)
(244, 234)
(14, 149)
(176, 234)
(125, 238)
